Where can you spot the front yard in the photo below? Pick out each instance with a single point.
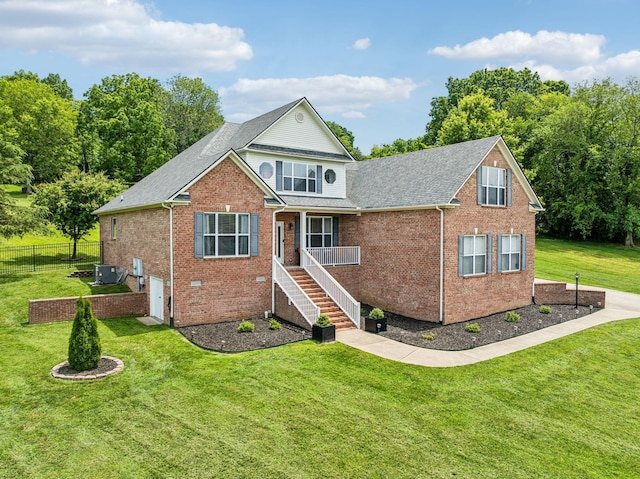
(563, 409)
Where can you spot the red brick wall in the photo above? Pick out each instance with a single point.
(399, 261)
(229, 288)
(473, 296)
(103, 305)
(557, 293)
(141, 234)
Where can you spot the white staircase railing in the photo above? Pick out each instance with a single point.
(336, 255)
(334, 290)
(294, 292)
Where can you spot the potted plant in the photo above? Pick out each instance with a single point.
(324, 331)
(375, 322)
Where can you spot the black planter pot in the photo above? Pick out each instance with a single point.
(375, 325)
(323, 334)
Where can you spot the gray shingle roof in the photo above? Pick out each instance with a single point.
(423, 178)
(173, 176)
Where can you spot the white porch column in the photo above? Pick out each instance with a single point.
(303, 230)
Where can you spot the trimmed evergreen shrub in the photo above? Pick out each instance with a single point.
(84, 343)
(472, 328)
(512, 317)
(246, 327)
(323, 321)
(376, 313)
(545, 309)
(274, 324)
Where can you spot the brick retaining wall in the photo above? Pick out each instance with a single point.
(557, 293)
(103, 305)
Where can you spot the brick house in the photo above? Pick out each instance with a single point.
(274, 215)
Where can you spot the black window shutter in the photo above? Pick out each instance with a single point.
(296, 240)
(523, 253)
(278, 176)
(199, 235)
(319, 179)
(255, 235)
(335, 241)
(509, 189)
(460, 255)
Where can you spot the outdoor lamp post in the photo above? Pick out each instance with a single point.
(577, 278)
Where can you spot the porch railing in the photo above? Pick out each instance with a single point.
(336, 255)
(334, 290)
(294, 292)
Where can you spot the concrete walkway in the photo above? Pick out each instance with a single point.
(619, 306)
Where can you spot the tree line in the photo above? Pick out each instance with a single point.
(579, 146)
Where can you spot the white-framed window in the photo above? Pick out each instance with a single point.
(226, 234)
(319, 231)
(113, 228)
(474, 255)
(512, 252)
(298, 177)
(492, 186)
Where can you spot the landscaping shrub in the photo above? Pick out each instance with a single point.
(246, 327)
(472, 328)
(84, 343)
(545, 309)
(274, 324)
(376, 313)
(323, 321)
(512, 317)
(428, 336)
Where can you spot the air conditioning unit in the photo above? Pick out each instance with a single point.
(105, 274)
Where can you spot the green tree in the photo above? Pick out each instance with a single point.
(473, 118)
(14, 219)
(45, 124)
(59, 86)
(85, 350)
(498, 84)
(398, 147)
(69, 203)
(192, 110)
(346, 138)
(125, 113)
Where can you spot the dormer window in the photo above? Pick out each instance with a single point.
(298, 177)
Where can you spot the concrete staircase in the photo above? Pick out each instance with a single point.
(319, 297)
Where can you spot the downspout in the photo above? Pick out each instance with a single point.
(440, 313)
(171, 299)
(273, 254)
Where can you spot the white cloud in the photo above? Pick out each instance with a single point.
(119, 33)
(341, 95)
(544, 46)
(362, 44)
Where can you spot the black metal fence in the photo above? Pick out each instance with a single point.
(27, 259)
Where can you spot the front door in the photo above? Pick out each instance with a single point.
(156, 298)
(280, 241)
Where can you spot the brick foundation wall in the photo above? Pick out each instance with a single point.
(557, 293)
(104, 306)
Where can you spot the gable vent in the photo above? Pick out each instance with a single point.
(299, 117)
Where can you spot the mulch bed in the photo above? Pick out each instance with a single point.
(493, 328)
(224, 337)
(106, 367)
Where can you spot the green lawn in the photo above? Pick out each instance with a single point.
(566, 409)
(599, 264)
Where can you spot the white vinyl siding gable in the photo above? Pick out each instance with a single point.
(308, 134)
(337, 189)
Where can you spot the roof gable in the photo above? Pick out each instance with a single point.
(425, 178)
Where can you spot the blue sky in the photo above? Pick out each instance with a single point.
(370, 66)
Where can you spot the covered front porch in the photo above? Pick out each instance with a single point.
(305, 245)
